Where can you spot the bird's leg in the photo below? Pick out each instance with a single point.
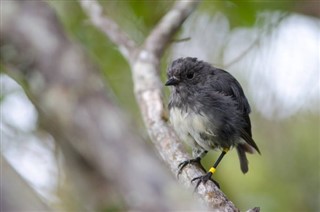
(207, 176)
(198, 154)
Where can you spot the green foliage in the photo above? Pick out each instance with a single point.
(244, 13)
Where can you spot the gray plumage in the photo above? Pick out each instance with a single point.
(208, 109)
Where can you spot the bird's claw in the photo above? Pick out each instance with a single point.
(184, 163)
(203, 179)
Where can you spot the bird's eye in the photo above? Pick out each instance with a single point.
(190, 75)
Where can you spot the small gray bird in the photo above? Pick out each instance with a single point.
(209, 110)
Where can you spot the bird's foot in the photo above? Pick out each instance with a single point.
(184, 163)
(203, 179)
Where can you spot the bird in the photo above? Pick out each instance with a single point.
(209, 111)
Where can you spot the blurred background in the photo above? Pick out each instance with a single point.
(271, 47)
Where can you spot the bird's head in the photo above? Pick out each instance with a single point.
(188, 74)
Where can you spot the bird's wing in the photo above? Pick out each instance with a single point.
(229, 86)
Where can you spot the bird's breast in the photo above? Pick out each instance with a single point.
(179, 120)
(191, 126)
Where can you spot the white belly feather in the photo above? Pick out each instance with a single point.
(188, 126)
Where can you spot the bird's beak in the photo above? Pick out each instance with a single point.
(172, 81)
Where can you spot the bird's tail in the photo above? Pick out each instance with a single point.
(242, 149)
(249, 146)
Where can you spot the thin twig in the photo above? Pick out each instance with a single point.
(257, 41)
(180, 40)
(243, 54)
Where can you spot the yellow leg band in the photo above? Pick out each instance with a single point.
(225, 150)
(212, 170)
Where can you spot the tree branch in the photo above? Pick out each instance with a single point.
(109, 27)
(160, 36)
(148, 92)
